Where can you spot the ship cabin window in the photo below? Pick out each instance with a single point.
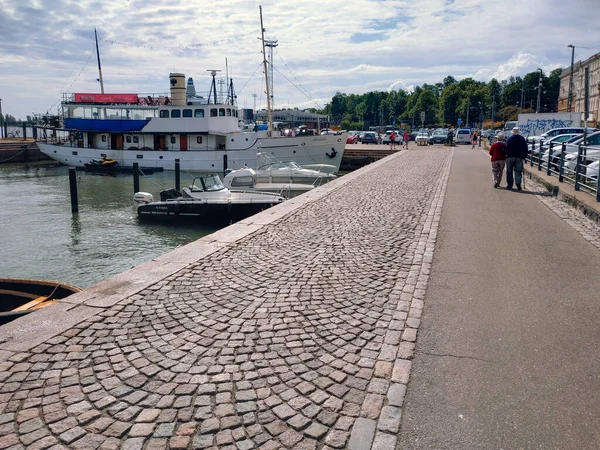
(242, 181)
(187, 113)
(176, 113)
(199, 139)
(173, 139)
(136, 139)
(221, 112)
(128, 139)
(235, 112)
(228, 112)
(198, 113)
(103, 138)
(213, 112)
(164, 113)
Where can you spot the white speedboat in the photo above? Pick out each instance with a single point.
(206, 200)
(271, 170)
(245, 180)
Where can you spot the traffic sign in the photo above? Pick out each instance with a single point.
(459, 121)
(422, 116)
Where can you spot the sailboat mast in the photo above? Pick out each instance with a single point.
(99, 68)
(269, 111)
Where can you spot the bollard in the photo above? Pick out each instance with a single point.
(532, 148)
(224, 164)
(577, 166)
(136, 178)
(73, 189)
(548, 171)
(34, 133)
(561, 169)
(24, 131)
(540, 155)
(177, 175)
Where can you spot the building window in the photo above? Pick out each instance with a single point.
(173, 139)
(164, 113)
(136, 139)
(187, 113)
(198, 113)
(199, 139)
(213, 112)
(128, 139)
(176, 113)
(221, 112)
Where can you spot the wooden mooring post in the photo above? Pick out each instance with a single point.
(73, 189)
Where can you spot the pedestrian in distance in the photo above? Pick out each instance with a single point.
(474, 139)
(393, 141)
(516, 152)
(405, 138)
(498, 158)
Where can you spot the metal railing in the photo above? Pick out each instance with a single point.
(579, 169)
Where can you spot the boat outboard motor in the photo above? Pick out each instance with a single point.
(169, 194)
(141, 198)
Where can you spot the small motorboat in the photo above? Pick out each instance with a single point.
(244, 180)
(271, 170)
(207, 199)
(103, 162)
(22, 296)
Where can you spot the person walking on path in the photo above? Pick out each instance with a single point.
(498, 158)
(474, 139)
(516, 152)
(393, 141)
(405, 138)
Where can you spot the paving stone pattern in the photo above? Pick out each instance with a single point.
(299, 336)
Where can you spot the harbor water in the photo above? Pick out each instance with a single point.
(40, 237)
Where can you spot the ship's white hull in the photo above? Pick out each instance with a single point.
(321, 149)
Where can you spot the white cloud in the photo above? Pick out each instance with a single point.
(44, 51)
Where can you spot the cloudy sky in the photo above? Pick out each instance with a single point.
(352, 46)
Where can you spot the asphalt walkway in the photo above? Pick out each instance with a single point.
(507, 355)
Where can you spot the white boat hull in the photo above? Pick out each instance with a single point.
(326, 149)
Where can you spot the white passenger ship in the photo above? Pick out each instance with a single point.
(205, 135)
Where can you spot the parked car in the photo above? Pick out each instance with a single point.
(385, 139)
(462, 136)
(412, 136)
(439, 136)
(591, 171)
(370, 137)
(555, 140)
(422, 137)
(556, 131)
(352, 139)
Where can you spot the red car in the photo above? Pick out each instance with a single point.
(352, 139)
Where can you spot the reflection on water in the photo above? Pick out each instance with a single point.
(42, 239)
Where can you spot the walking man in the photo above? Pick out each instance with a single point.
(405, 138)
(516, 152)
(498, 158)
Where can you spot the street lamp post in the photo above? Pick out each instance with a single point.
(570, 98)
(522, 92)
(539, 97)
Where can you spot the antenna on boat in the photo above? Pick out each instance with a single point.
(213, 86)
(99, 68)
(269, 111)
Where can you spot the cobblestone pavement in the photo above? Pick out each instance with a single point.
(298, 336)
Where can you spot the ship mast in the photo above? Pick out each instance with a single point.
(99, 68)
(269, 111)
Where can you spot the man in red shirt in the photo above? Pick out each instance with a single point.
(498, 158)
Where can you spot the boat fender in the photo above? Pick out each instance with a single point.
(333, 153)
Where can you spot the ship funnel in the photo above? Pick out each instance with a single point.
(190, 91)
(177, 89)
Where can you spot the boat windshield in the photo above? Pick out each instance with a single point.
(212, 183)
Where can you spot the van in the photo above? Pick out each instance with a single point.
(462, 136)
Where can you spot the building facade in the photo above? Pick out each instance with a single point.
(578, 96)
(294, 118)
